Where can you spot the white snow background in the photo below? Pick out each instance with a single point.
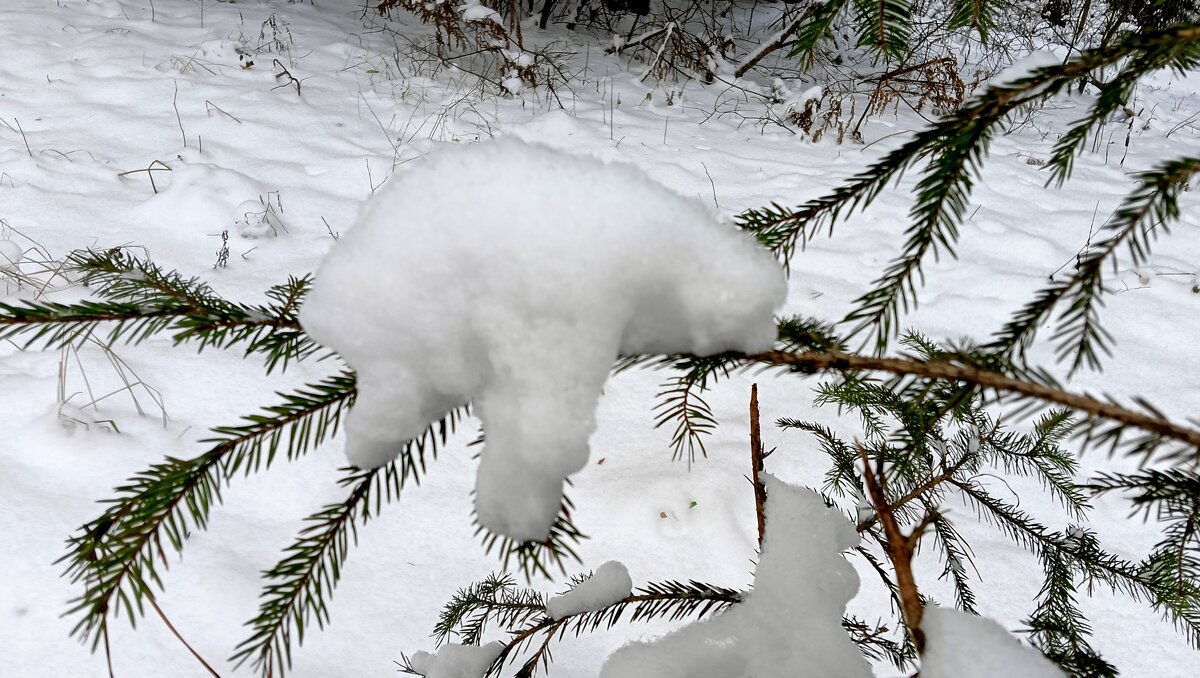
(92, 89)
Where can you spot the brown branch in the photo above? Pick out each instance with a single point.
(162, 615)
(781, 38)
(944, 371)
(900, 547)
(756, 465)
(917, 492)
(635, 42)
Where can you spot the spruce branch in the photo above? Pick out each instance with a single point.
(138, 299)
(899, 547)
(1057, 627)
(953, 368)
(682, 406)
(955, 147)
(671, 600)
(819, 23)
(1147, 211)
(116, 556)
(1151, 581)
(298, 588)
(883, 25)
(539, 558)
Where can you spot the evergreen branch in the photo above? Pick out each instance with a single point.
(1150, 421)
(874, 646)
(115, 556)
(1173, 495)
(672, 600)
(137, 300)
(681, 405)
(1147, 210)
(298, 587)
(495, 599)
(809, 34)
(956, 146)
(975, 14)
(841, 478)
(1140, 582)
(954, 552)
(883, 25)
(1039, 455)
(1057, 627)
(539, 557)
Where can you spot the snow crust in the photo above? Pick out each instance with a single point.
(510, 275)
(961, 644)
(456, 661)
(790, 624)
(609, 584)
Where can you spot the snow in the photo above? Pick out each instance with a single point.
(518, 275)
(609, 584)
(457, 661)
(92, 86)
(789, 625)
(10, 255)
(473, 11)
(1025, 67)
(961, 644)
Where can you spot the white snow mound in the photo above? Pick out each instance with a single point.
(510, 275)
(790, 625)
(961, 644)
(456, 661)
(609, 584)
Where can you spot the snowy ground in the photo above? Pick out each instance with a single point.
(89, 90)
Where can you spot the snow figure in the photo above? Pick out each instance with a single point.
(510, 276)
(789, 626)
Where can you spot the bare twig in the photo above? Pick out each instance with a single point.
(178, 119)
(285, 73)
(176, 633)
(756, 465)
(155, 166)
(778, 40)
(210, 106)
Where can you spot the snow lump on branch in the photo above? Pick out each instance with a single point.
(511, 276)
(609, 585)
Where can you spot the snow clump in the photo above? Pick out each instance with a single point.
(961, 644)
(10, 256)
(791, 623)
(511, 276)
(456, 661)
(608, 585)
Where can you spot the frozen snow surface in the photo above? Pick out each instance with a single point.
(513, 276)
(609, 584)
(959, 644)
(791, 623)
(456, 661)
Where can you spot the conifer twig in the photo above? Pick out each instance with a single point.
(1153, 423)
